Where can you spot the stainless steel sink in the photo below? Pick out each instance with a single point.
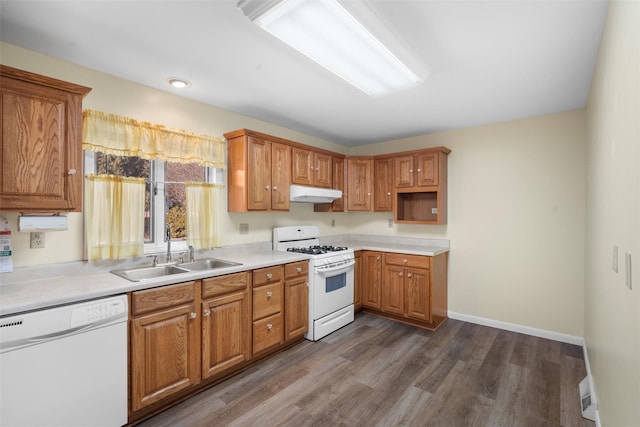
(140, 273)
(207, 264)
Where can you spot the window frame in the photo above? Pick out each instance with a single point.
(158, 193)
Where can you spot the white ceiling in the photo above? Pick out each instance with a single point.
(490, 61)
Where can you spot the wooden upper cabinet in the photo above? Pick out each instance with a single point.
(302, 167)
(259, 179)
(359, 184)
(311, 168)
(40, 142)
(420, 170)
(338, 183)
(382, 189)
(426, 169)
(259, 173)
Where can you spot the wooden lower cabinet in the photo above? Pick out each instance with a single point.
(372, 279)
(411, 288)
(165, 343)
(296, 300)
(186, 336)
(268, 308)
(226, 323)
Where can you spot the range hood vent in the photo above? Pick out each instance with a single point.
(301, 194)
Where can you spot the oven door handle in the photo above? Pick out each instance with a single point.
(334, 271)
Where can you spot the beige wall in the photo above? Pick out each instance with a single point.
(612, 311)
(516, 219)
(516, 200)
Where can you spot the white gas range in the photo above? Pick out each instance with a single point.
(331, 283)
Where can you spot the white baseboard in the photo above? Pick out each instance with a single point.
(541, 333)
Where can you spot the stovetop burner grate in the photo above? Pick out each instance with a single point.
(317, 249)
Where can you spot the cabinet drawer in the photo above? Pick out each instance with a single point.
(162, 297)
(294, 269)
(224, 284)
(267, 300)
(408, 260)
(267, 275)
(267, 333)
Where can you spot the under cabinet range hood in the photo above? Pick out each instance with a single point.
(299, 193)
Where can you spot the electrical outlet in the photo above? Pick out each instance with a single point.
(37, 240)
(614, 264)
(390, 223)
(333, 222)
(244, 228)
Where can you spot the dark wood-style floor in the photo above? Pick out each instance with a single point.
(376, 372)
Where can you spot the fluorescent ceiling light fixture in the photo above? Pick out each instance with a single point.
(326, 32)
(179, 83)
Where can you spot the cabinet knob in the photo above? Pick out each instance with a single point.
(404, 260)
(192, 315)
(389, 193)
(377, 258)
(409, 274)
(207, 312)
(400, 274)
(298, 269)
(275, 188)
(368, 194)
(269, 326)
(269, 275)
(410, 170)
(72, 172)
(269, 294)
(419, 170)
(267, 187)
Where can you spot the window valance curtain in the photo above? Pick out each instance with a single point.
(114, 216)
(123, 136)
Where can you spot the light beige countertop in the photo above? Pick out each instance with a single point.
(33, 288)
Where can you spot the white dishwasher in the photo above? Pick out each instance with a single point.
(65, 366)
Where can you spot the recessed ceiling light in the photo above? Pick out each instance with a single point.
(179, 83)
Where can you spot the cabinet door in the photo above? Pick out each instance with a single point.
(259, 171)
(323, 174)
(226, 333)
(371, 279)
(296, 308)
(382, 184)
(393, 289)
(338, 183)
(357, 281)
(359, 184)
(418, 294)
(427, 169)
(40, 142)
(302, 168)
(403, 171)
(164, 354)
(280, 176)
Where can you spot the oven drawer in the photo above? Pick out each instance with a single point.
(300, 268)
(267, 300)
(263, 276)
(267, 332)
(408, 260)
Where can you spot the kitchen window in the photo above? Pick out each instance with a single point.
(164, 192)
(128, 156)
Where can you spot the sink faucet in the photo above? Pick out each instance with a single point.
(167, 235)
(192, 257)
